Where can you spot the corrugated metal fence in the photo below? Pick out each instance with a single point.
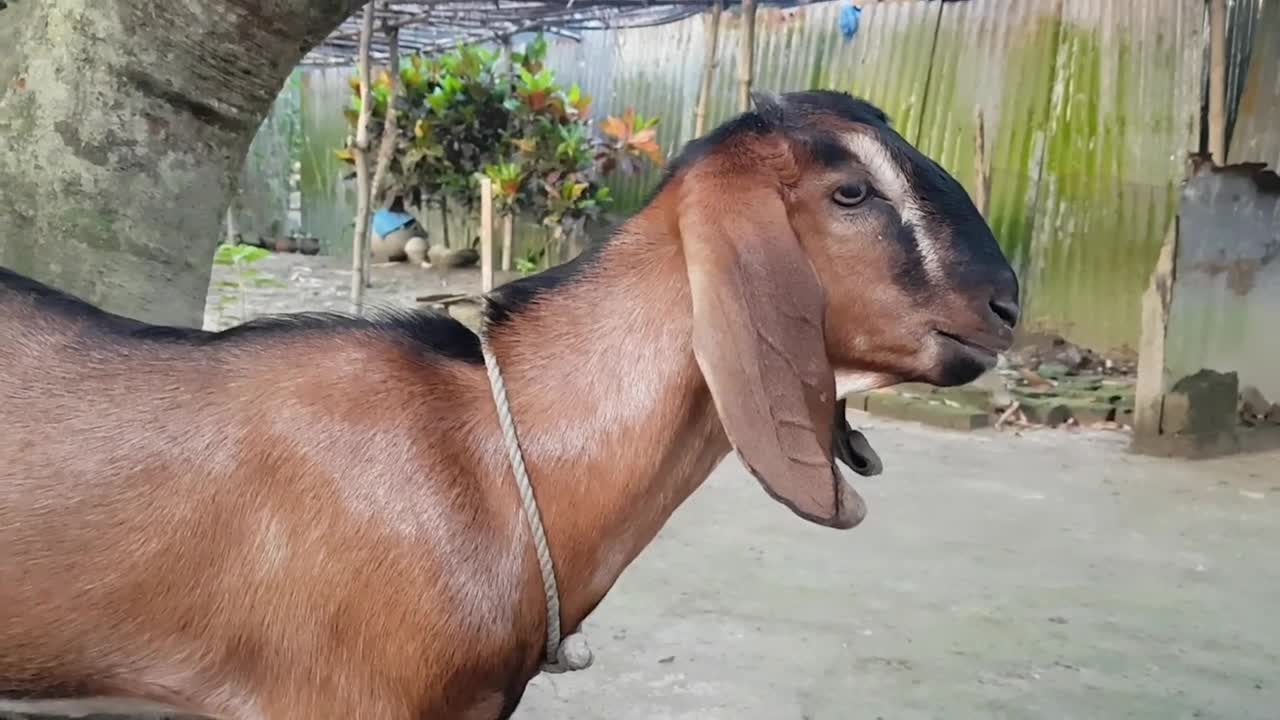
(1090, 108)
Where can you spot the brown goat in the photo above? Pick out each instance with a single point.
(314, 516)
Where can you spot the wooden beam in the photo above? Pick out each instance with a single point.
(982, 167)
(1218, 81)
(486, 234)
(746, 54)
(508, 231)
(709, 64)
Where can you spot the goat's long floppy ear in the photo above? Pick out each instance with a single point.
(758, 338)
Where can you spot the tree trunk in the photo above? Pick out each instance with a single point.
(122, 125)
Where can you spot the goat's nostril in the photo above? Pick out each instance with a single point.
(1006, 310)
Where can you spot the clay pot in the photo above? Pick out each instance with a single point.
(286, 245)
(416, 249)
(309, 245)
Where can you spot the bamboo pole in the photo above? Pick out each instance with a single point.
(982, 167)
(508, 217)
(361, 155)
(746, 54)
(1218, 81)
(508, 231)
(486, 234)
(709, 64)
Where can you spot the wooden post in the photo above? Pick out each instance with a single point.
(486, 234)
(361, 154)
(746, 54)
(508, 230)
(1218, 81)
(982, 168)
(709, 64)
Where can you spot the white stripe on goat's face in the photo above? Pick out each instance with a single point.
(893, 180)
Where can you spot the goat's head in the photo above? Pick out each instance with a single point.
(827, 255)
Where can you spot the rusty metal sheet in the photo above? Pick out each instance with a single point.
(1091, 107)
(998, 56)
(1256, 134)
(1226, 292)
(1123, 115)
(657, 70)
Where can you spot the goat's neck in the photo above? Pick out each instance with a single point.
(616, 423)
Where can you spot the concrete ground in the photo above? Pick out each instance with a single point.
(1044, 575)
(1047, 575)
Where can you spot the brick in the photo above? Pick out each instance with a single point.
(975, 397)
(1045, 411)
(928, 413)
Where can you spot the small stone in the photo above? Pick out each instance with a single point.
(1053, 370)
(1253, 404)
(667, 659)
(1058, 620)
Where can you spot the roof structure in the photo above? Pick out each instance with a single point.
(426, 26)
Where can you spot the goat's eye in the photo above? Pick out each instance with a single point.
(851, 195)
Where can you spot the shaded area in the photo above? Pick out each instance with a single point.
(1032, 576)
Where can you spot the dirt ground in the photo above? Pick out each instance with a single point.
(1044, 574)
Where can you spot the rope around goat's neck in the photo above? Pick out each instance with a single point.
(563, 654)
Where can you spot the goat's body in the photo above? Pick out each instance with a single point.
(177, 508)
(314, 516)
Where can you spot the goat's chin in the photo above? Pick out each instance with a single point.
(957, 363)
(850, 382)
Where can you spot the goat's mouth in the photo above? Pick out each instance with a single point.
(960, 358)
(980, 345)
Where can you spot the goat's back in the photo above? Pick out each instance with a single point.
(177, 505)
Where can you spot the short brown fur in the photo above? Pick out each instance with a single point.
(322, 522)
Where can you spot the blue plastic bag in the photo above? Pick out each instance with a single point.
(849, 17)
(386, 221)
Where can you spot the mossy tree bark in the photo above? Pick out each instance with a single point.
(122, 124)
